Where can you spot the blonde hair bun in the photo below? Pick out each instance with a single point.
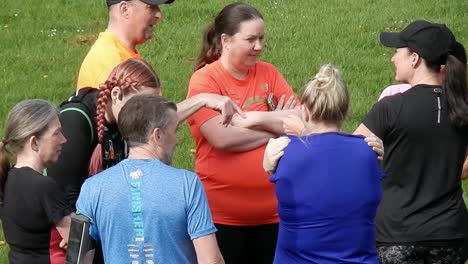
(326, 96)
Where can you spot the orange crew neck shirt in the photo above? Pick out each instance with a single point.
(238, 189)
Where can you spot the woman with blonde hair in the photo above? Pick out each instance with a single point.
(31, 204)
(327, 182)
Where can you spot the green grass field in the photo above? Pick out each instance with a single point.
(42, 44)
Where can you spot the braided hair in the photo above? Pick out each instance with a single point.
(130, 76)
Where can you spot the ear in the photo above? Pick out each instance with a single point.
(124, 8)
(415, 60)
(442, 73)
(224, 41)
(33, 143)
(155, 136)
(116, 94)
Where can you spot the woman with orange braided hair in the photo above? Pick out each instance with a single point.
(89, 118)
(88, 114)
(88, 121)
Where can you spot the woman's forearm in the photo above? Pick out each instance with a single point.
(271, 122)
(233, 138)
(188, 107)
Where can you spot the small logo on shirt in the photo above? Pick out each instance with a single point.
(253, 100)
(136, 175)
(264, 87)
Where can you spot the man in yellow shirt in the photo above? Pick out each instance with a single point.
(130, 23)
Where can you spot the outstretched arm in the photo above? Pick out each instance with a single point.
(266, 121)
(213, 101)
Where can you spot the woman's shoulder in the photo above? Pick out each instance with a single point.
(209, 68)
(26, 172)
(263, 65)
(28, 176)
(210, 71)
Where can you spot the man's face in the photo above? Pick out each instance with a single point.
(168, 140)
(143, 18)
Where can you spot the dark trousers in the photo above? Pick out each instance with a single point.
(247, 244)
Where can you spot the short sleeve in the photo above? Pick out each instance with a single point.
(383, 115)
(53, 201)
(85, 205)
(201, 82)
(199, 221)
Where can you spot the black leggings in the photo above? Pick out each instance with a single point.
(418, 254)
(465, 229)
(247, 244)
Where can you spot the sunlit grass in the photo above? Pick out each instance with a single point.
(42, 44)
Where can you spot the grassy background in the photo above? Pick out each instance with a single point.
(42, 44)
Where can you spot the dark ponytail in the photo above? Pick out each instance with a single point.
(211, 48)
(455, 85)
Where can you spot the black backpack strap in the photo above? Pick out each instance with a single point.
(86, 117)
(82, 101)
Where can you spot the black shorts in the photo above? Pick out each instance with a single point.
(247, 244)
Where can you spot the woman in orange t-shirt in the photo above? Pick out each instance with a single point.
(229, 159)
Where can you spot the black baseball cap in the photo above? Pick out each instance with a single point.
(431, 41)
(149, 2)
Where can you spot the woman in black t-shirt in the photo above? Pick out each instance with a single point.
(31, 203)
(425, 134)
